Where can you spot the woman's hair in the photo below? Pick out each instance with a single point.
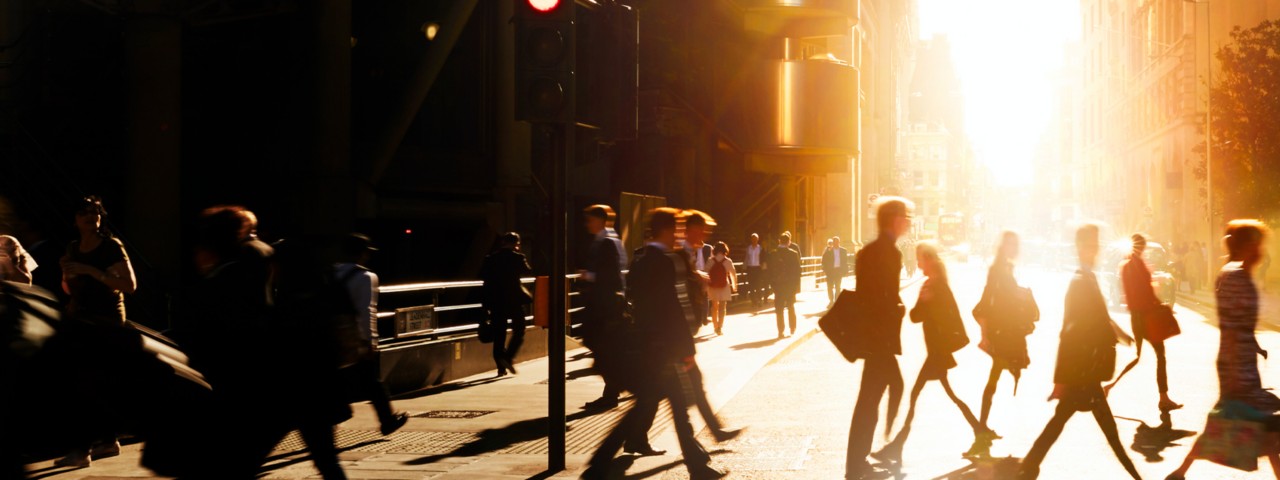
(1007, 237)
(93, 204)
(927, 251)
(1243, 233)
(720, 247)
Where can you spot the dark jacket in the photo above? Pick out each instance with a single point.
(877, 271)
(1087, 349)
(784, 268)
(602, 296)
(937, 310)
(829, 261)
(501, 273)
(659, 315)
(1136, 278)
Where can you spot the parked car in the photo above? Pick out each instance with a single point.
(1158, 261)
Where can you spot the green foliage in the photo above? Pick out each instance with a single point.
(1246, 123)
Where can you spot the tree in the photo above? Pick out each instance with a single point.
(1246, 123)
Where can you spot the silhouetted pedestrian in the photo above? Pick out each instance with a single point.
(602, 327)
(944, 334)
(877, 274)
(697, 228)
(1141, 298)
(1238, 349)
(1007, 314)
(505, 298)
(364, 374)
(784, 268)
(722, 283)
(757, 284)
(1086, 358)
(835, 265)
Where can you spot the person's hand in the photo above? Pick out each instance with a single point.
(76, 268)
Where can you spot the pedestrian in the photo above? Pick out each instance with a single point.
(602, 327)
(697, 227)
(1193, 262)
(505, 298)
(663, 317)
(1086, 358)
(757, 285)
(835, 265)
(1007, 314)
(16, 265)
(96, 275)
(364, 376)
(722, 284)
(1238, 349)
(784, 267)
(944, 334)
(1141, 298)
(877, 275)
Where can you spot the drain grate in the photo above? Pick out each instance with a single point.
(455, 414)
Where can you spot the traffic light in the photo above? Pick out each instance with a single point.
(545, 59)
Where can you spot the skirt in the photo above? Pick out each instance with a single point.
(720, 294)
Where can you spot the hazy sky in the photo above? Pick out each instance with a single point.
(1004, 51)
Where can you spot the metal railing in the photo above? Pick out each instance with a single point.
(459, 312)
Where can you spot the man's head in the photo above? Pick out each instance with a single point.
(357, 248)
(1244, 240)
(1139, 243)
(755, 239)
(1087, 245)
(893, 216)
(784, 239)
(509, 240)
(835, 241)
(697, 225)
(663, 223)
(598, 217)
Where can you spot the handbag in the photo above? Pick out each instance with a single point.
(1233, 436)
(845, 326)
(484, 331)
(1161, 324)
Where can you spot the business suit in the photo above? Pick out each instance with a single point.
(603, 302)
(784, 265)
(663, 332)
(877, 272)
(835, 264)
(505, 298)
(1086, 358)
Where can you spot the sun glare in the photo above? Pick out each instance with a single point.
(1006, 54)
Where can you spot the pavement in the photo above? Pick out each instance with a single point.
(489, 427)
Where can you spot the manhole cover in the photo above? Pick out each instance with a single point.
(457, 414)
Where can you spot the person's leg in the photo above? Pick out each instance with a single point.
(1181, 472)
(866, 412)
(1162, 378)
(369, 384)
(778, 306)
(837, 283)
(893, 450)
(831, 288)
(993, 379)
(646, 409)
(1275, 464)
(517, 336)
(695, 457)
(1102, 413)
(324, 454)
(700, 399)
(964, 408)
(1030, 467)
(598, 466)
(791, 311)
(500, 342)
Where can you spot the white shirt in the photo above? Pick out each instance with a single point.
(837, 254)
(753, 255)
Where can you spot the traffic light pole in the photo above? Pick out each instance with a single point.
(562, 154)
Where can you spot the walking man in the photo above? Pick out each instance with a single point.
(784, 265)
(602, 326)
(505, 298)
(697, 227)
(835, 265)
(756, 282)
(362, 286)
(877, 276)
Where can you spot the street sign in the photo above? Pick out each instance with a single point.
(415, 320)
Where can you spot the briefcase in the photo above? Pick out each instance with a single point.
(845, 327)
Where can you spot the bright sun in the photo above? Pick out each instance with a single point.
(1006, 53)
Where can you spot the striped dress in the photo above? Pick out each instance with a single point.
(1238, 348)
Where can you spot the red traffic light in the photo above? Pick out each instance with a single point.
(544, 5)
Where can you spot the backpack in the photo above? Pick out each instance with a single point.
(719, 275)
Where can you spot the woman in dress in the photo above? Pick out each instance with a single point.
(722, 284)
(1238, 348)
(944, 334)
(1004, 313)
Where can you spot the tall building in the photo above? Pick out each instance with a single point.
(1145, 68)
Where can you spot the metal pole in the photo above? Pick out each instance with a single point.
(562, 151)
(1208, 134)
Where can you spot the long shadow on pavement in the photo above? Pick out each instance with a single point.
(495, 439)
(447, 388)
(758, 344)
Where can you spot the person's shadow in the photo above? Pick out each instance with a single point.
(495, 439)
(1152, 441)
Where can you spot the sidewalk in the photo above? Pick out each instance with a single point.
(486, 427)
(1204, 303)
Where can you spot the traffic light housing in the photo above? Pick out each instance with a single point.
(546, 53)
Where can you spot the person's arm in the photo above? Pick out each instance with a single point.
(733, 274)
(118, 276)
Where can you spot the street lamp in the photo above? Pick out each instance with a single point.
(1208, 130)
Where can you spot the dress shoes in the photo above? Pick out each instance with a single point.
(602, 403)
(722, 436)
(645, 451)
(394, 423)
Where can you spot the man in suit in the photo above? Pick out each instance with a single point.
(663, 317)
(1086, 358)
(755, 274)
(603, 312)
(835, 264)
(505, 298)
(784, 265)
(877, 275)
(697, 226)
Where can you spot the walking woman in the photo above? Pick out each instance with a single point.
(944, 334)
(1143, 304)
(1238, 349)
(1007, 314)
(96, 273)
(722, 282)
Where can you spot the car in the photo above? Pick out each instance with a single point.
(1158, 261)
